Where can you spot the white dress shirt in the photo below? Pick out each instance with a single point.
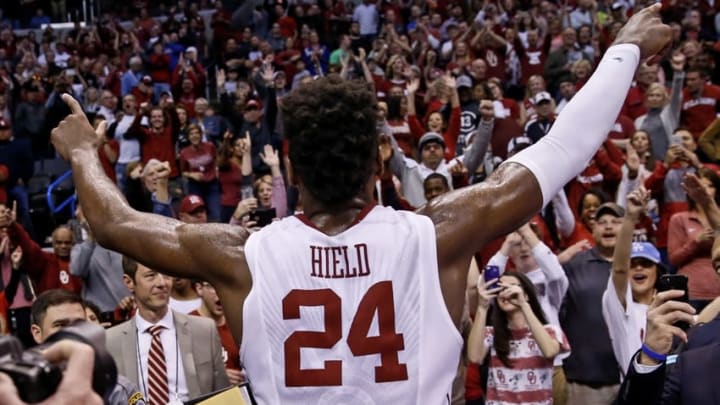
(177, 384)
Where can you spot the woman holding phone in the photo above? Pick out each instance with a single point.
(521, 344)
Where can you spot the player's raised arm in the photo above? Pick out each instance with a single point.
(211, 252)
(468, 218)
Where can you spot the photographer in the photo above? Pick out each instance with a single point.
(52, 311)
(76, 385)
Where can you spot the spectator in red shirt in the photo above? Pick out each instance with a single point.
(159, 68)
(157, 141)
(635, 101)
(436, 122)
(197, 164)
(235, 174)
(211, 307)
(144, 91)
(699, 102)
(47, 270)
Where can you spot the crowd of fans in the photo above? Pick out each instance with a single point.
(189, 94)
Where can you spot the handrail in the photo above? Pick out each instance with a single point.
(71, 201)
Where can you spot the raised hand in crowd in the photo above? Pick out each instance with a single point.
(637, 202)
(572, 250)
(632, 161)
(664, 312)
(270, 157)
(487, 291)
(413, 86)
(677, 62)
(245, 207)
(385, 148)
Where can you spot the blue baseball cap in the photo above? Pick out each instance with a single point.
(646, 250)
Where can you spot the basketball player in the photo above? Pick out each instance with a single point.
(351, 302)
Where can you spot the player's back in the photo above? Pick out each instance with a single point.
(356, 318)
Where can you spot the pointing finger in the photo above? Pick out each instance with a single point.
(72, 103)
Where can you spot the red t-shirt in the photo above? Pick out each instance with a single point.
(698, 113)
(200, 159)
(231, 351)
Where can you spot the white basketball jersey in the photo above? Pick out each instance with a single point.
(355, 318)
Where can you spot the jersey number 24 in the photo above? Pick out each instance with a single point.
(378, 299)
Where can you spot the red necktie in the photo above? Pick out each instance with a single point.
(157, 370)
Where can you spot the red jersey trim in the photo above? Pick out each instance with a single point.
(359, 217)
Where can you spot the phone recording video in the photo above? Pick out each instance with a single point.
(668, 282)
(263, 216)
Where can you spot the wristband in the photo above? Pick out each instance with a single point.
(653, 355)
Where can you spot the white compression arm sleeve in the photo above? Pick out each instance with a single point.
(583, 124)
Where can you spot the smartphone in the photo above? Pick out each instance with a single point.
(263, 216)
(108, 317)
(668, 282)
(676, 140)
(491, 272)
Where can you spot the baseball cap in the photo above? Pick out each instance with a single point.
(617, 6)
(611, 209)
(542, 96)
(430, 137)
(147, 79)
(191, 49)
(518, 143)
(4, 124)
(646, 250)
(463, 81)
(191, 203)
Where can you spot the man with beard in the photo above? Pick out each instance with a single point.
(591, 370)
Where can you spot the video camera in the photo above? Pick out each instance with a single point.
(36, 378)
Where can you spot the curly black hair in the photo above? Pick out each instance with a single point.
(330, 124)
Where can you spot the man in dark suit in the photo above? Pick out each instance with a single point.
(653, 376)
(191, 364)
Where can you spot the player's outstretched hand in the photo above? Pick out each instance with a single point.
(646, 30)
(75, 131)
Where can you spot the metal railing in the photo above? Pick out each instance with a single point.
(70, 201)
